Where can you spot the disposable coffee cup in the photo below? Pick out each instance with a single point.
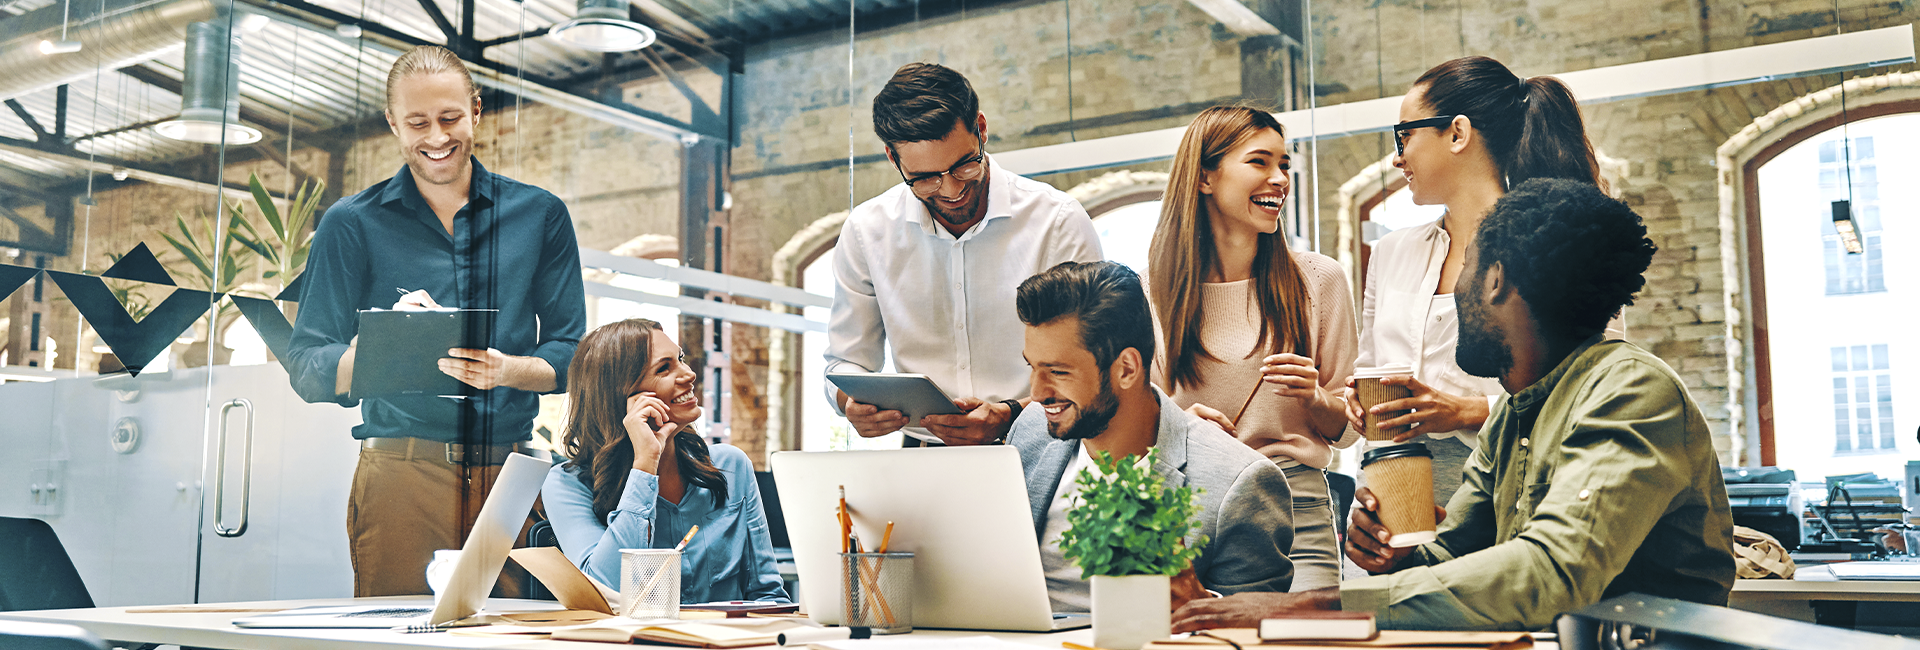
(1370, 392)
(1401, 477)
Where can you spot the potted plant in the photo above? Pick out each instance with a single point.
(1126, 530)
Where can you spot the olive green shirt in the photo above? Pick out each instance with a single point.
(1598, 480)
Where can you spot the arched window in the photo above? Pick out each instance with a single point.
(1830, 342)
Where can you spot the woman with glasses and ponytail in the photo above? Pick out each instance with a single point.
(639, 476)
(1255, 337)
(1469, 130)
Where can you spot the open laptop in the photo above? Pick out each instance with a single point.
(485, 552)
(962, 511)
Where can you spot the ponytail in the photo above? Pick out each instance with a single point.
(1553, 137)
(1532, 127)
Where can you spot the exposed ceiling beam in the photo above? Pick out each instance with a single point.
(506, 78)
(531, 33)
(39, 132)
(666, 18)
(440, 20)
(136, 171)
(1236, 17)
(60, 113)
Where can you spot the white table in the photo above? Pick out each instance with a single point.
(1814, 590)
(215, 630)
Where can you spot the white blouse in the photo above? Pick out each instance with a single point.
(1403, 321)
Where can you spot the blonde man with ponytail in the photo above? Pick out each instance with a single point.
(1257, 338)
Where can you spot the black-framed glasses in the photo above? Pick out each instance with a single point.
(1400, 130)
(968, 169)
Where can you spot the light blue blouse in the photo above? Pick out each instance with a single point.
(730, 559)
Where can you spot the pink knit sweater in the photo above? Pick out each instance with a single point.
(1272, 425)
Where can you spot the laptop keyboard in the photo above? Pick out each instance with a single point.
(393, 612)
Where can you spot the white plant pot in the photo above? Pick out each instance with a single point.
(1129, 611)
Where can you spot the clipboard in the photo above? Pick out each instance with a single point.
(399, 351)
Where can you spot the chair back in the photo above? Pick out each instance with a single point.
(1341, 488)
(538, 535)
(35, 571)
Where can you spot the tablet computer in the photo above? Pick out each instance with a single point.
(911, 395)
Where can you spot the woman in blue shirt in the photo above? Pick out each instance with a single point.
(640, 477)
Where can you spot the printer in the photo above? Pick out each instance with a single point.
(1766, 499)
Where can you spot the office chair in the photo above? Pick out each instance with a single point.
(35, 571)
(21, 635)
(1341, 488)
(538, 535)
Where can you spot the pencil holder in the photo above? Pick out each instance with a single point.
(650, 583)
(878, 589)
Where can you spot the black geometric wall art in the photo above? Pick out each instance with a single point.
(139, 265)
(268, 322)
(13, 277)
(136, 343)
(292, 292)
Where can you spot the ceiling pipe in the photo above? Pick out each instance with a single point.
(125, 32)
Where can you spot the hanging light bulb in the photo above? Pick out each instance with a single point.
(210, 94)
(62, 46)
(1844, 224)
(602, 26)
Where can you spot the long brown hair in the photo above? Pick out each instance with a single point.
(1532, 126)
(1183, 253)
(605, 369)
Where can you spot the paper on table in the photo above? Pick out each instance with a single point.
(908, 643)
(574, 590)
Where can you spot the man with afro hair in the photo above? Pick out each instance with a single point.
(1595, 477)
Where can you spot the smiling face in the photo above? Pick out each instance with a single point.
(434, 116)
(1068, 383)
(668, 377)
(1245, 193)
(1425, 160)
(956, 203)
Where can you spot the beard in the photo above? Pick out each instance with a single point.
(1483, 349)
(976, 197)
(423, 170)
(1094, 417)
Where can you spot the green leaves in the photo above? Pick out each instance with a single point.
(1126, 521)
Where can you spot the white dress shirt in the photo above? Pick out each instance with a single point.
(946, 303)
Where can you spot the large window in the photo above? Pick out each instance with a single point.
(1835, 361)
(1863, 400)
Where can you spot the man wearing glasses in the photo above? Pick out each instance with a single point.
(929, 267)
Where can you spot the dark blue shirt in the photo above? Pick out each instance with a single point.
(512, 249)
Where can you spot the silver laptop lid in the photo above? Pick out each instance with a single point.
(962, 511)
(485, 552)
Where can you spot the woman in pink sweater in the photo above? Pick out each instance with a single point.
(1255, 337)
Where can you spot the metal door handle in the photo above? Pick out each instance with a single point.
(220, 473)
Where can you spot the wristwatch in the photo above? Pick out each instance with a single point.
(1013, 410)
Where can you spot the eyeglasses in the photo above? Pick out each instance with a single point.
(1400, 130)
(967, 169)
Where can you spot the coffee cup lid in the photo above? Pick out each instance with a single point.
(1382, 371)
(1411, 449)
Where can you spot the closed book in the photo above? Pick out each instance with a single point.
(1338, 626)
